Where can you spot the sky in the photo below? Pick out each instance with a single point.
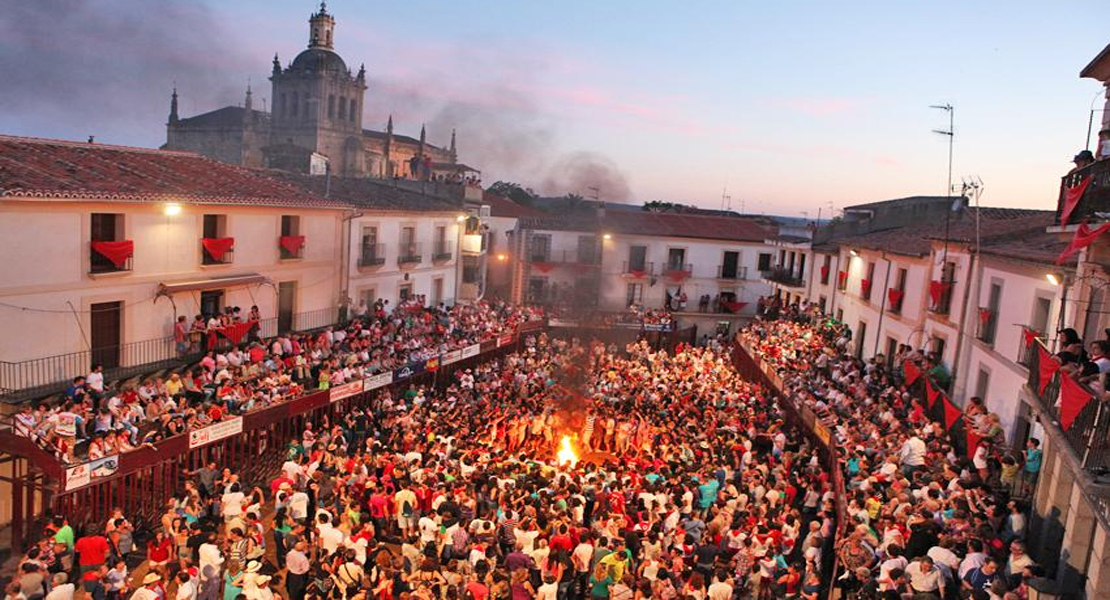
(792, 106)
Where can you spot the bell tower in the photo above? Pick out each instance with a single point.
(321, 27)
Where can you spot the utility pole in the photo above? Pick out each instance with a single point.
(951, 133)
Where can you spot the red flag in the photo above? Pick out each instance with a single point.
(842, 278)
(637, 273)
(985, 315)
(937, 289)
(951, 414)
(931, 394)
(865, 288)
(1047, 367)
(677, 275)
(825, 274)
(217, 247)
(236, 331)
(1084, 236)
(1030, 336)
(117, 252)
(1072, 400)
(1071, 198)
(911, 371)
(895, 298)
(292, 243)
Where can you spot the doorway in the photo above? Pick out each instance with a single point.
(107, 318)
(211, 303)
(287, 295)
(729, 265)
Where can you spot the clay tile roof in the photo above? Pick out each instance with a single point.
(918, 239)
(657, 223)
(373, 194)
(500, 206)
(63, 170)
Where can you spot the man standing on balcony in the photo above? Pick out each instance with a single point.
(1083, 159)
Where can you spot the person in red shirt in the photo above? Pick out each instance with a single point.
(158, 551)
(92, 551)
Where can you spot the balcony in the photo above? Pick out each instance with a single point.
(217, 251)
(940, 296)
(372, 255)
(291, 247)
(441, 252)
(1094, 203)
(1088, 434)
(784, 277)
(732, 273)
(678, 271)
(408, 253)
(638, 269)
(110, 257)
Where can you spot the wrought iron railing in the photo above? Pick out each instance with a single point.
(1089, 433)
(372, 255)
(732, 273)
(408, 253)
(441, 251)
(638, 268)
(1095, 199)
(783, 276)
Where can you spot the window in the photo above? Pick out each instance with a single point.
(294, 106)
(105, 227)
(947, 280)
(215, 227)
(290, 227)
(635, 294)
(637, 258)
(983, 383)
(822, 303)
(442, 249)
(938, 347)
(437, 291)
(304, 104)
(587, 250)
(404, 292)
(891, 350)
(409, 252)
(1042, 308)
(540, 248)
(988, 315)
(730, 265)
(764, 261)
(342, 108)
(861, 338)
(840, 315)
(676, 259)
(211, 302)
(825, 270)
(331, 106)
(801, 267)
(353, 108)
(284, 104)
(369, 296)
(373, 253)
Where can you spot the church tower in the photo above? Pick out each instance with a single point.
(317, 105)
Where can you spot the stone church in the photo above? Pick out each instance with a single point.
(314, 124)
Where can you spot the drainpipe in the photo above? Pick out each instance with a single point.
(882, 307)
(960, 340)
(836, 286)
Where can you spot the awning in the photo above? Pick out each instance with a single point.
(217, 283)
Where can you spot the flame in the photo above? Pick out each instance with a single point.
(566, 454)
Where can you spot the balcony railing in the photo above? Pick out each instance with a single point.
(732, 273)
(1095, 201)
(206, 257)
(408, 253)
(1089, 433)
(638, 268)
(100, 264)
(783, 276)
(372, 255)
(441, 251)
(566, 257)
(48, 374)
(675, 268)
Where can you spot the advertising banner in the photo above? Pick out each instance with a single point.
(217, 431)
(346, 390)
(377, 381)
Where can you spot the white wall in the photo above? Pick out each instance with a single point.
(386, 280)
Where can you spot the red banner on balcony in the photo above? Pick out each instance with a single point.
(985, 316)
(1073, 398)
(292, 243)
(117, 252)
(825, 274)
(1071, 198)
(637, 273)
(952, 414)
(931, 394)
(1046, 368)
(543, 267)
(937, 290)
(734, 307)
(217, 247)
(865, 288)
(237, 331)
(1029, 336)
(842, 278)
(677, 275)
(895, 297)
(1084, 236)
(911, 371)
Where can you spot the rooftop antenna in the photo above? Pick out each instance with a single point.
(951, 133)
(726, 199)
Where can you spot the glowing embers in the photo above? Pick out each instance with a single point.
(566, 454)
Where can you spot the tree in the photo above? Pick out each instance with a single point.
(513, 191)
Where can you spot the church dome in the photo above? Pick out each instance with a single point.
(319, 60)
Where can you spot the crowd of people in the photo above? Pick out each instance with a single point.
(925, 520)
(688, 485)
(93, 418)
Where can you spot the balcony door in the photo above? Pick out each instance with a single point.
(287, 294)
(637, 258)
(729, 264)
(676, 259)
(107, 319)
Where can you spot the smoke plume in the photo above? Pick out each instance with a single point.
(586, 173)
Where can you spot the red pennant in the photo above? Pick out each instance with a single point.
(895, 298)
(543, 267)
(825, 274)
(637, 273)
(117, 252)
(1030, 336)
(217, 247)
(1073, 398)
(937, 289)
(865, 288)
(734, 307)
(1071, 199)
(292, 243)
(236, 331)
(931, 394)
(911, 372)
(973, 439)
(951, 414)
(1047, 367)
(1084, 236)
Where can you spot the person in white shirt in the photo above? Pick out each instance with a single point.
(720, 589)
(330, 537)
(61, 590)
(186, 587)
(148, 591)
(912, 455)
(231, 503)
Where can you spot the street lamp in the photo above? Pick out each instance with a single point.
(608, 236)
(1052, 278)
(172, 209)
